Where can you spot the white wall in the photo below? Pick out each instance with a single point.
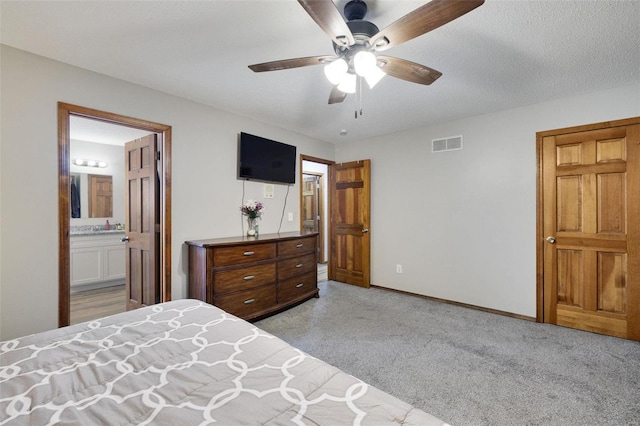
(205, 192)
(463, 223)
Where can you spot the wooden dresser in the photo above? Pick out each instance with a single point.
(253, 277)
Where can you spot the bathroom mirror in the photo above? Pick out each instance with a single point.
(91, 196)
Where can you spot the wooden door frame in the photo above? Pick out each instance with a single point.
(327, 163)
(65, 111)
(540, 242)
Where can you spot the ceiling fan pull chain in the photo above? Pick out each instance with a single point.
(355, 98)
(360, 94)
(358, 97)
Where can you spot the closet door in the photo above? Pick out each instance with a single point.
(591, 228)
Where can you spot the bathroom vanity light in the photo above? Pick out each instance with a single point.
(90, 163)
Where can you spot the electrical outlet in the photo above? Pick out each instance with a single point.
(290, 217)
(269, 190)
(398, 269)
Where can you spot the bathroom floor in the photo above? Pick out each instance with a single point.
(92, 304)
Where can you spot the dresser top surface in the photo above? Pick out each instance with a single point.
(263, 238)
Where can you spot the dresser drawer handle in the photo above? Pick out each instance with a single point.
(299, 245)
(249, 301)
(299, 285)
(249, 277)
(248, 253)
(299, 265)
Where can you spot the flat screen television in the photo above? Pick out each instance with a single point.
(266, 160)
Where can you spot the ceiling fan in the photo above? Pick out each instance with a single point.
(357, 42)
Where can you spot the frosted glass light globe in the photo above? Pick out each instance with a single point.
(348, 83)
(374, 75)
(363, 62)
(336, 70)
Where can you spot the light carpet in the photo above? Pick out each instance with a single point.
(466, 366)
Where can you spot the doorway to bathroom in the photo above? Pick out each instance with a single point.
(133, 260)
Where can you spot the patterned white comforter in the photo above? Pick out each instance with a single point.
(182, 362)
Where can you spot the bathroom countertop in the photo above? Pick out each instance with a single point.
(96, 232)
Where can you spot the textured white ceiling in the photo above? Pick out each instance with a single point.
(502, 55)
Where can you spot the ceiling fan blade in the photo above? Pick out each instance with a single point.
(328, 17)
(336, 96)
(422, 20)
(290, 63)
(409, 71)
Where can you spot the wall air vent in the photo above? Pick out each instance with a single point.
(446, 144)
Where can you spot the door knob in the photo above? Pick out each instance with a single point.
(551, 240)
(125, 239)
(365, 230)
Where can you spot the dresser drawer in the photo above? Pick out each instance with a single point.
(296, 287)
(243, 278)
(297, 246)
(296, 266)
(245, 303)
(223, 256)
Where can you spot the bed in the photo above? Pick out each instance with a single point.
(182, 362)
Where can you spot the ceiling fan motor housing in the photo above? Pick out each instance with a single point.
(355, 9)
(362, 32)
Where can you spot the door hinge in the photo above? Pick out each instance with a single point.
(158, 155)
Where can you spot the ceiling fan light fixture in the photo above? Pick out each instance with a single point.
(363, 62)
(374, 76)
(356, 42)
(365, 65)
(348, 83)
(336, 71)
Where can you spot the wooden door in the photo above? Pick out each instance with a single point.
(100, 196)
(590, 239)
(310, 215)
(350, 208)
(142, 226)
(313, 210)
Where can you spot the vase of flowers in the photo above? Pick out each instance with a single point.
(253, 211)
